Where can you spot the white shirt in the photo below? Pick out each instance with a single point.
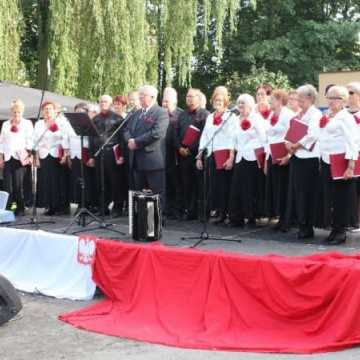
(340, 135)
(47, 142)
(276, 134)
(312, 119)
(357, 114)
(224, 138)
(13, 142)
(246, 141)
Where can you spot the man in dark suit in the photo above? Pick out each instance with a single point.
(145, 136)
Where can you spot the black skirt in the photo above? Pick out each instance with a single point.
(50, 184)
(303, 190)
(247, 191)
(336, 201)
(277, 181)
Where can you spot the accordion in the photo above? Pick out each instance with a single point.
(144, 216)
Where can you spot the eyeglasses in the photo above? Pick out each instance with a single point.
(334, 98)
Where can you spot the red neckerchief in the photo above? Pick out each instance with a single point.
(274, 119)
(217, 119)
(245, 124)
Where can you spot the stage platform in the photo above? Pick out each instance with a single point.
(259, 241)
(223, 295)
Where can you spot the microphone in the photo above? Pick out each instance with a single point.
(234, 110)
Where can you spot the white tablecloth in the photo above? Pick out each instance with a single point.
(46, 263)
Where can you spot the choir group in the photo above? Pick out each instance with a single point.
(275, 156)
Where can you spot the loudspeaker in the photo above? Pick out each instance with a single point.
(10, 303)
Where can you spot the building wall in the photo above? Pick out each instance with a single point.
(338, 78)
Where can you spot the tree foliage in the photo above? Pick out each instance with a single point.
(11, 67)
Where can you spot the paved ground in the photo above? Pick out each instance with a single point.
(37, 334)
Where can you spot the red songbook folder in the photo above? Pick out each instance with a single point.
(61, 152)
(192, 134)
(260, 157)
(85, 155)
(338, 165)
(220, 158)
(296, 132)
(118, 154)
(278, 151)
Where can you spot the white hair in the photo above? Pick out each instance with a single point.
(248, 100)
(308, 91)
(107, 97)
(171, 94)
(93, 108)
(340, 91)
(149, 90)
(355, 85)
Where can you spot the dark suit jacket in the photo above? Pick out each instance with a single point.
(149, 132)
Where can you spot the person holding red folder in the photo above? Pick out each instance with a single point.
(246, 196)
(304, 165)
(338, 135)
(194, 116)
(220, 152)
(276, 167)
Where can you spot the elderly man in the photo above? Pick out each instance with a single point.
(190, 125)
(169, 102)
(106, 122)
(145, 135)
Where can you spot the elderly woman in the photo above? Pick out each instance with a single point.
(276, 168)
(51, 146)
(15, 145)
(263, 93)
(293, 102)
(119, 105)
(338, 135)
(250, 134)
(218, 140)
(304, 165)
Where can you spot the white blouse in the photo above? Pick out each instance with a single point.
(224, 138)
(47, 142)
(276, 134)
(357, 121)
(340, 135)
(11, 143)
(246, 141)
(312, 119)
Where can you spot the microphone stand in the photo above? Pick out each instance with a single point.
(34, 220)
(100, 151)
(204, 234)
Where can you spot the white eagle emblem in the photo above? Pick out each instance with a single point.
(86, 249)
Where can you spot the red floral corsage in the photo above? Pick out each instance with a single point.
(14, 128)
(245, 124)
(53, 127)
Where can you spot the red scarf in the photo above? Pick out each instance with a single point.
(357, 119)
(217, 119)
(14, 127)
(324, 121)
(245, 124)
(274, 119)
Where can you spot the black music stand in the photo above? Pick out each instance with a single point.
(83, 126)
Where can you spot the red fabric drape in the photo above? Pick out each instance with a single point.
(216, 300)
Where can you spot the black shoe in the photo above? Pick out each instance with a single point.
(339, 238)
(277, 226)
(307, 233)
(117, 213)
(188, 216)
(49, 212)
(218, 219)
(251, 224)
(235, 224)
